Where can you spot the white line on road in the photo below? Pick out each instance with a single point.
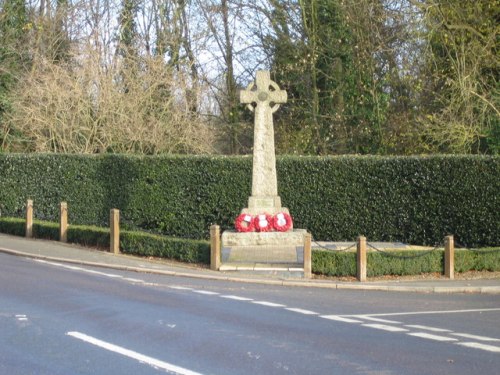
(179, 287)
(474, 337)
(75, 268)
(236, 298)
(367, 317)
(131, 354)
(21, 317)
(302, 311)
(207, 292)
(431, 337)
(427, 312)
(476, 345)
(133, 280)
(385, 327)
(340, 319)
(433, 329)
(269, 304)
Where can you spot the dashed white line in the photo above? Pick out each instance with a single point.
(236, 298)
(21, 317)
(433, 329)
(428, 312)
(340, 319)
(207, 292)
(131, 354)
(133, 280)
(474, 337)
(179, 287)
(269, 304)
(367, 317)
(301, 311)
(385, 327)
(476, 345)
(431, 337)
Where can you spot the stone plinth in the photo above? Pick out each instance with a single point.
(232, 238)
(264, 247)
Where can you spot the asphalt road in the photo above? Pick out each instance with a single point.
(63, 319)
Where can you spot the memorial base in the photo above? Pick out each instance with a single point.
(270, 253)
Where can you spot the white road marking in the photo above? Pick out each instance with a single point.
(476, 345)
(340, 319)
(385, 327)
(133, 280)
(207, 292)
(269, 304)
(431, 337)
(131, 354)
(236, 298)
(428, 312)
(367, 317)
(433, 329)
(179, 287)
(21, 317)
(75, 268)
(302, 311)
(474, 337)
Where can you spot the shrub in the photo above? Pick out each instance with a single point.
(417, 200)
(136, 243)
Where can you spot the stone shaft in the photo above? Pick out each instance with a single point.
(266, 95)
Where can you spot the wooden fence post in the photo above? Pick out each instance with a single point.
(114, 231)
(63, 222)
(361, 259)
(449, 257)
(29, 218)
(307, 256)
(215, 249)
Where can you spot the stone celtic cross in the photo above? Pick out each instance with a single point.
(263, 97)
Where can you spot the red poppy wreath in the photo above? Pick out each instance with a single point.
(244, 223)
(263, 223)
(282, 222)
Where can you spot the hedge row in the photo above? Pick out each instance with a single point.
(340, 264)
(417, 200)
(133, 243)
(329, 263)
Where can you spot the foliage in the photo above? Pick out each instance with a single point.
(417, 200)
(146, 244)
(462, 91)
(328, 263)
(134, 243)
(332, 263)
(58, 108)
(400, 263)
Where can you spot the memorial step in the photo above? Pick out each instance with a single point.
(281, 270)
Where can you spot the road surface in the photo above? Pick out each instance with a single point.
(58, 318)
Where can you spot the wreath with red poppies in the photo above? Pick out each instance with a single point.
(244, 223)
(282, 222)
(263, 223)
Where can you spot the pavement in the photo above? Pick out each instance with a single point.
(70, 253)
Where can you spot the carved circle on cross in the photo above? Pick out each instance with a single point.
(264, 96)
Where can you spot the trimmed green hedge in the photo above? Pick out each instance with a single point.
(417, 200)
(329, 263)
(400, 263)
(134, 243)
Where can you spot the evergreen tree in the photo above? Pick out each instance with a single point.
(330, 102)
